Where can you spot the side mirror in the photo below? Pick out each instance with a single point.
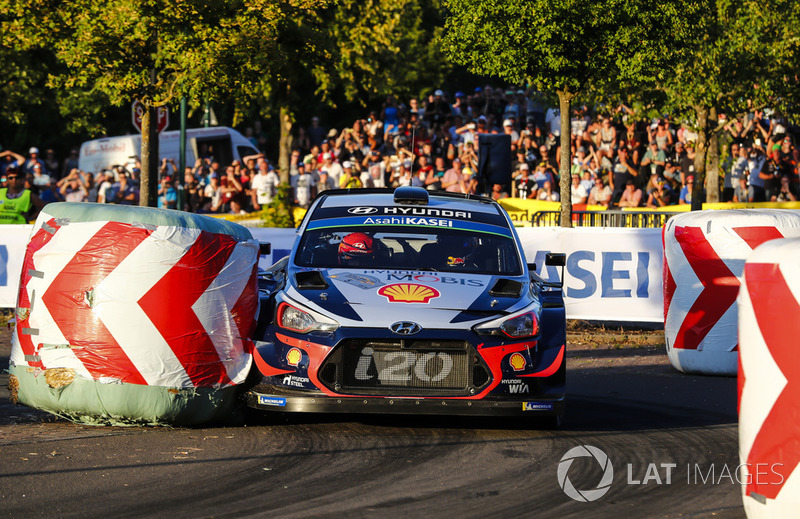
(264, 248)
(557, 259)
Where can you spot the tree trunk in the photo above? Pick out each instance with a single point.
(148, 181)
(286, 141)
(701, 149)
(564, 181)
(712, 175)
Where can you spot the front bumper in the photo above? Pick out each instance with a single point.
(273, 398)
(504, 378)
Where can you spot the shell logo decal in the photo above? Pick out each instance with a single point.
(408, 293)
(517, 362)
(293, 357)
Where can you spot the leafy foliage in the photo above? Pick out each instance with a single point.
(381, 47)
(746, 55)
(278, 213)
(570, 46)
(157, 50)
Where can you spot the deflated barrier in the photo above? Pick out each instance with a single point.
(131, 315)
(704, 253)
(769, 376)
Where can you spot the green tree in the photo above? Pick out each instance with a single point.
(747, 57)
(278, 213)
(569, 47)
(156, 51)
(372, 48)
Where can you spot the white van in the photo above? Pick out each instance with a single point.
(223, 144)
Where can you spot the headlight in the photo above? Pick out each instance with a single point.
(517, 326)
(297, 320)
(525, 325)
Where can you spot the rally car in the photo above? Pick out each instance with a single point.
(409, 301)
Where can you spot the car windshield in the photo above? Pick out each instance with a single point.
(396, 248)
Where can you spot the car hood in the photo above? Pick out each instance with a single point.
(369, 298)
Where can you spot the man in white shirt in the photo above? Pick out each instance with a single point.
(373, 177)
(213, 194)
(578, 192)
(263, 185)
(553, 120)
(334, 169)
(303, 190)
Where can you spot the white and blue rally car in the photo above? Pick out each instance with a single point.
(409, 301)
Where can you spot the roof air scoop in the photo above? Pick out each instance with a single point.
(411, 195)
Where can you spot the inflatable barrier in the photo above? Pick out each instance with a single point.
(132, 315)
(704, 253)
(769, 376)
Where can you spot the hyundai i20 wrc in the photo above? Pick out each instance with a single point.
(409, 302)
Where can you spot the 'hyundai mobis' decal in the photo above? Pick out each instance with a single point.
(408, 221)
(391, 276)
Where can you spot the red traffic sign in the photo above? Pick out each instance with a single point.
(137, 112)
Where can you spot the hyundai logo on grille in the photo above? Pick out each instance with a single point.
(405, 328)
(362, 210)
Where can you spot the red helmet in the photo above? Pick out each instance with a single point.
(354, 247)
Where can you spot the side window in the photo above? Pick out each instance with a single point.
(217, 147)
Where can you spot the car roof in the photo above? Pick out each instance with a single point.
(387, 198)
(404, 206)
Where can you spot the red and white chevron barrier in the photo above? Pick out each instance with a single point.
(769, 380)
(704, 253)
(133, 297)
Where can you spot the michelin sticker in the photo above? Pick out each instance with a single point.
(271, 400)
(537, 406)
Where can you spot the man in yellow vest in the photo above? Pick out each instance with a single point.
(17, 203)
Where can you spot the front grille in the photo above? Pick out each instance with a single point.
(405, 367)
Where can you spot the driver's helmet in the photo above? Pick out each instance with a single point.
(356, 249)
(459, 250)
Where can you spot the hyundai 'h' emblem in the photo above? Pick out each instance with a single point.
(362, 210)
(405, 328)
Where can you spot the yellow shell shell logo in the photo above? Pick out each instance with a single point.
(517, 361)
(293, 357)
(408, 293)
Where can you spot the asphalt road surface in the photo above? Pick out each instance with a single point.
(670, 438)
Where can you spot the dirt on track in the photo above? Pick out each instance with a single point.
(625, 349)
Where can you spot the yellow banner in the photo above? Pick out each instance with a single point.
(253, 219)
(753, 205)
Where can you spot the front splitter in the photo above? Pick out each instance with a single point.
(283, 401)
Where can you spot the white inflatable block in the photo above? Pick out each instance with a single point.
(704, 254)
(133, 296)
(769, 380)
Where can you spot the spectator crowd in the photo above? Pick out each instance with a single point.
(618, 158)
